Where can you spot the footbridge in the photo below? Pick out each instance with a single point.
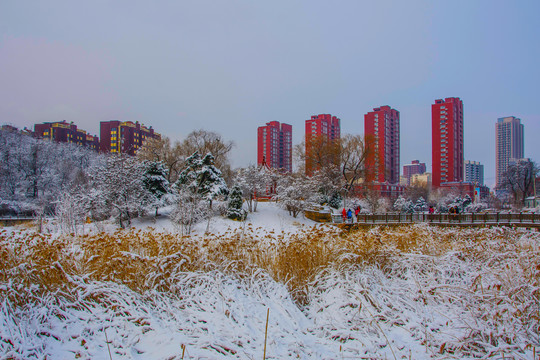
(526, 220)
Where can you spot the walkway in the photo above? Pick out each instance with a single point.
(466, 219)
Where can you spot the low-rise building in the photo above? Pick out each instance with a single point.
(124, 136)
(62, 131)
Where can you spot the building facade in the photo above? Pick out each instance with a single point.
(473, 172)
(509, 144)
(323, 133)
(447, 141)
(381, 130)
(274, 146)
(124, 136)
(62, 131)
(423, 180)
(414, 168)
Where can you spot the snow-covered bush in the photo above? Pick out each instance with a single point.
(476, 207)
(404, 206)
(189, 209)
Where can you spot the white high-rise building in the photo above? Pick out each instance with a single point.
(508, 144)
(473, 172)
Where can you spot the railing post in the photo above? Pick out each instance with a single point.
(472, 218)
(520, 217)
(497, 218)
(386, 217)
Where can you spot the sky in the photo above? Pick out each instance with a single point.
(232, 66)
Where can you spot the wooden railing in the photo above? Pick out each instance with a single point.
(464, 218)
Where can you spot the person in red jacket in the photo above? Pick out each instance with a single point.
(344, 214)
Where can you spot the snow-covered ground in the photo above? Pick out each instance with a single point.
(268, 218)
(416, 293)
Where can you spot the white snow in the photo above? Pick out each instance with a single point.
(269, 218)
(417, 306)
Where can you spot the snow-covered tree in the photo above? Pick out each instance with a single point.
(335, 201)
(328, 183)
(119, 185)
(161, 150)
(198, 185)
(70, 211)
(420, 205)
(476, 207)
(519, 179)
(34, 171)
(254, 182)
(209, 142)
(203, 178)
(295, 193)
(155, 181)
(234, 207)
(403, 205)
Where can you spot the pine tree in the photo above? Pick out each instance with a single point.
(421, 205)
(201, 177)
(155, 181)
(335, 200)
(234, 208)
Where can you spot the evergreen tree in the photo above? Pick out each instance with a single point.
(335, 200)
(155, 181)
(234, 208)
(404, 205)
(421, 205)
(201, 177)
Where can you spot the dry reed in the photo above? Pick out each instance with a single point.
(34, 265)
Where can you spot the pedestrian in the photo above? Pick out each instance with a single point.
(357, 211)
(349, 216)
(344, 214)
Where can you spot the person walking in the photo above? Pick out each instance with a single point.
(344, 214)
(349, 216)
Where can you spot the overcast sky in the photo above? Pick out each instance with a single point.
(231, 66)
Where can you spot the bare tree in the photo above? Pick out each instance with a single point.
(354, 151)
(519, 180)
(318, 154)
(171, 155)
(205, 142)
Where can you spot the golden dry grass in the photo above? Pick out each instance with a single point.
(502, 293)
(144, 260)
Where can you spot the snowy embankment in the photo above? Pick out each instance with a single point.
(414, 292)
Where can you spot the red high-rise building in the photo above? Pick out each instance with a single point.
(323, 131)
(447, 141)
(124, 136)
(62, 131)
(381, 130)
(274, 146)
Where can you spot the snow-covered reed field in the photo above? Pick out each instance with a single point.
(415, 292)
